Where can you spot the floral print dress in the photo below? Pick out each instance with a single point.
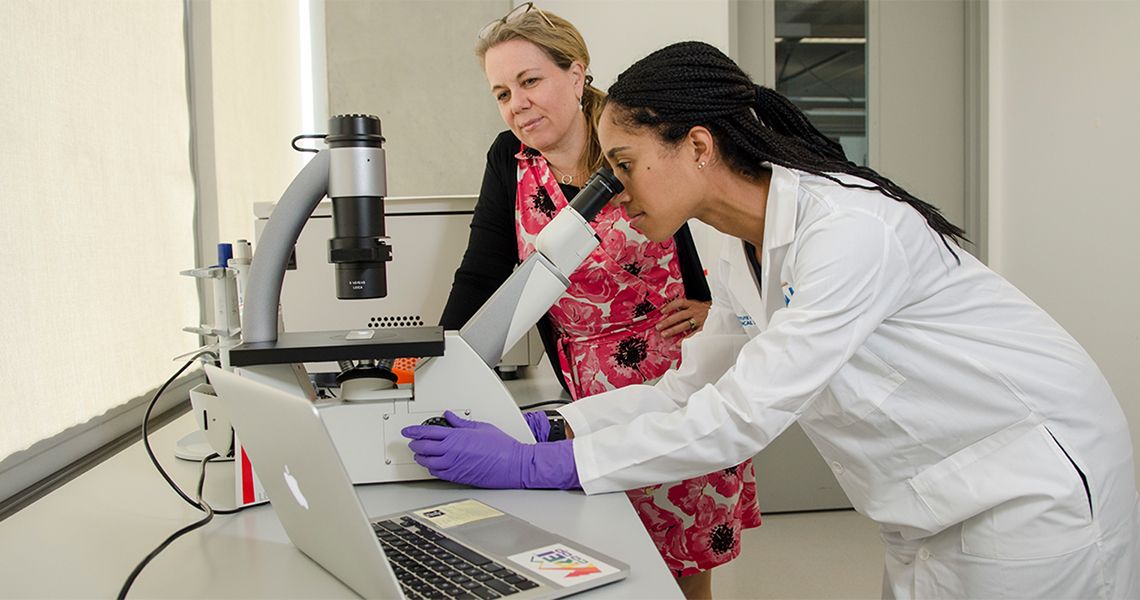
(604, 328)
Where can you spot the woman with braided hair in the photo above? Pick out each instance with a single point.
(631, 303)
(953, 410)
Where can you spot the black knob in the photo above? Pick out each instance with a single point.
(354, 130)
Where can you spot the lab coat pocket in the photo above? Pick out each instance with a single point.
(1016, 493)
(858, 389)
(1055, 521)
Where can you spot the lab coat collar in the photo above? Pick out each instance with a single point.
(779, 232)
(780, 214)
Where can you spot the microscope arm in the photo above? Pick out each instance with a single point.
(561, 246)
(267, 271)
(532, 289)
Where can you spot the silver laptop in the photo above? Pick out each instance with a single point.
(462, 550)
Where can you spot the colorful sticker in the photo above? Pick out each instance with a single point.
(563, 565)
(458, 513)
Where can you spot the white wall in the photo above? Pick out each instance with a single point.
(916, 106)
(257, 106)
(413, 64)
(1064, 203)
(644, 26)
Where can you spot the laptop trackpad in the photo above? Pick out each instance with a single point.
(524, 547)
(505, 535)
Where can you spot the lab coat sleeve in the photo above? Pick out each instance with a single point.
(704, 357)
(849, 272)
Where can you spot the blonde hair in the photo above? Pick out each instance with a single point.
(564, 45)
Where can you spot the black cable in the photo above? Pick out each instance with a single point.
(146, 427)
(202, 481)
(138, 569)
(197, 503)
(202, 505)
(177, 534)
(221, 511)
(543, 403)
(310, 136)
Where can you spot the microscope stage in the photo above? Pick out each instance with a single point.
(318, 346)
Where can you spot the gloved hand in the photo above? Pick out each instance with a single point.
(480, 454)
(539, 424)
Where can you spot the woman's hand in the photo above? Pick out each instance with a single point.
(683, 317)
(480, 454)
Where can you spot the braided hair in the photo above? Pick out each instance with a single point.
(692, 83)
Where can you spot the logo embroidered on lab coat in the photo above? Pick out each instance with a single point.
(788, 293)
(745, 320)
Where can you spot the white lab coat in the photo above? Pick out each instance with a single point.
(952, 410)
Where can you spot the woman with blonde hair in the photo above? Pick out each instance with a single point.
(629, 305)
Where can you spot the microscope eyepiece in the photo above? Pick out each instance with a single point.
(354, 130)
(602, 186)
(357, 186)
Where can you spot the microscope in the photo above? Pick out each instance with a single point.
(456, 368)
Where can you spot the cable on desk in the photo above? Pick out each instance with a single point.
(197, 502)
(177, 534)
(543, 403)
(201, 505)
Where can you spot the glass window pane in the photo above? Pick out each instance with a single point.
(821, 66)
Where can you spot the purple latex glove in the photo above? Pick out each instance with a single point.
(480, 454)
(539, 424)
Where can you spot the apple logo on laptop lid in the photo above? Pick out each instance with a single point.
(295, 488)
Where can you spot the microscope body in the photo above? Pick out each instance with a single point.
(462, 379)
(456, 369)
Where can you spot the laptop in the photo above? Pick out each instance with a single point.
(460, 550)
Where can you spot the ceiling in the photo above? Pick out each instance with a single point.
(820, 61)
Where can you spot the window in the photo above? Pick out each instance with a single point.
(821, 66)
(98, 208)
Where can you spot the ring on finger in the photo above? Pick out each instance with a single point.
(692, 324)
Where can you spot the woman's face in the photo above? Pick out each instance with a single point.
(538, 100)
(660, 185)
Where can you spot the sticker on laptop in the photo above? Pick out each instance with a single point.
(563, 564)
(458, 513)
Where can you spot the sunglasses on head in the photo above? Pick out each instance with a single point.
(516, 13)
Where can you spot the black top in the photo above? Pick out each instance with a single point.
(757, 269)
(492, 249)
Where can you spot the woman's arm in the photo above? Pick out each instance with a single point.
(851, 273)
(492, 250)
(704, 359)
(685, 316)
(692, 271)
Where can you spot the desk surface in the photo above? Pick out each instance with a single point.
(83, 539)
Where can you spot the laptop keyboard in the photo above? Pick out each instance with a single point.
(430, 565)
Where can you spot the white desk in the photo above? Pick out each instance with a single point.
(82, 540)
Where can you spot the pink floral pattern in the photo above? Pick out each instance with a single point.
(604, 325)
(688, 493)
